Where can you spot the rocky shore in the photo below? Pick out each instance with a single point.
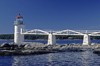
(31, 48)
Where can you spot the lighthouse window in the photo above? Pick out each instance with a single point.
(21, 22)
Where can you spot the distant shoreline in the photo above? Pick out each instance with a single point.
(38, 39)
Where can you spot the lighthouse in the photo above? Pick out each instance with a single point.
(19, 26)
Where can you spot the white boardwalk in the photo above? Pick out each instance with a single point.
(51, 34)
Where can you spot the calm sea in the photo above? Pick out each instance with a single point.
(54, 59)
(58, 41)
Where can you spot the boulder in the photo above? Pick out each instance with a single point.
(74, 49)
(13, 47)
(92, 43)
(27, 46)
(96, 51)
(22, 46)
(98, 46)
(5, 45)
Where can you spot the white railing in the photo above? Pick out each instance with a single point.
(63, 32)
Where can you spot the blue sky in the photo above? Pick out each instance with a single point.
(50, 14)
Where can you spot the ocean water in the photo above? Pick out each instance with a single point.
(87, 58)
(58, 41)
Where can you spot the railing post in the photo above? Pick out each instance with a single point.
(51, 39)
(86, 39)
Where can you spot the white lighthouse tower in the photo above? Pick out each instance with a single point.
(18, 37)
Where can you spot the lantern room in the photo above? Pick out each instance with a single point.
(19, 20)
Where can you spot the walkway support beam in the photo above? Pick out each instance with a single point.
(86, 39)
(51, 39)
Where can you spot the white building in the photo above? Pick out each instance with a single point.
(18, 24)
